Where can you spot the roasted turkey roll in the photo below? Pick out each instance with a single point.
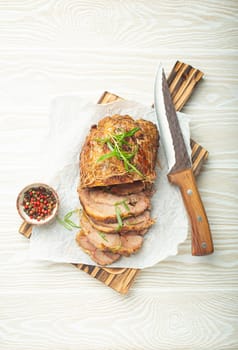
(119, 150)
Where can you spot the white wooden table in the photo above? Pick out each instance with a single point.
(51, 48)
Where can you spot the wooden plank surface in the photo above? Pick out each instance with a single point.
(182, 82)
(51, 48)
(80, 324)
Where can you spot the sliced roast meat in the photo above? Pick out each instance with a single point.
(100, 257)
(84, 243)
(125, 244)
(131, 243)
(102, 206)
(133, 223)
(124, 189)
(100, 240)
(137, 233)
(115, 195)
(105, 241)
(104, 258)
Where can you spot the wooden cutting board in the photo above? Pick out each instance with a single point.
(182, 82)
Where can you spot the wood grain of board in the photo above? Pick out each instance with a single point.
(182, 82)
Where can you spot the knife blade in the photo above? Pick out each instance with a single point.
(180, 172)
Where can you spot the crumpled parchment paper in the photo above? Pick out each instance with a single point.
(69, 122)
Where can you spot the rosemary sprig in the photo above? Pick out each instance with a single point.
(116, 144)
(103, 236)
(67, 222)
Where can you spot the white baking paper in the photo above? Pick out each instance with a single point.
(70, 121)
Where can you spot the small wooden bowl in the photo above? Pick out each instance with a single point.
(25, 217)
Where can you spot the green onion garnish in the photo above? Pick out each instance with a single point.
(119, 218)
(67, 222)
(118, 212)
(63, 223)
(116, 143)
(101, 234)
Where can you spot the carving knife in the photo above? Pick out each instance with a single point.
(180, 171)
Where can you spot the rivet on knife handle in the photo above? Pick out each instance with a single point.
(201, 235)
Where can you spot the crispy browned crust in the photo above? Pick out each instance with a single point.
(112, 171)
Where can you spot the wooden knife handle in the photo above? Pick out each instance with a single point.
(201, 235)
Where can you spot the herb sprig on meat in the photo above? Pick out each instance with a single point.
(121, 149)
(118, 212)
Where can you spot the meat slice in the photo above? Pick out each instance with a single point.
(131, 243)
(138, 233)
(137, 223)
(105, 241)
(124, 189)
(125, 244)
(84, 243)
(134, 187)
(111, 171)
(100, 257)
(100, 240)
(104, 258)
(102, 206)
